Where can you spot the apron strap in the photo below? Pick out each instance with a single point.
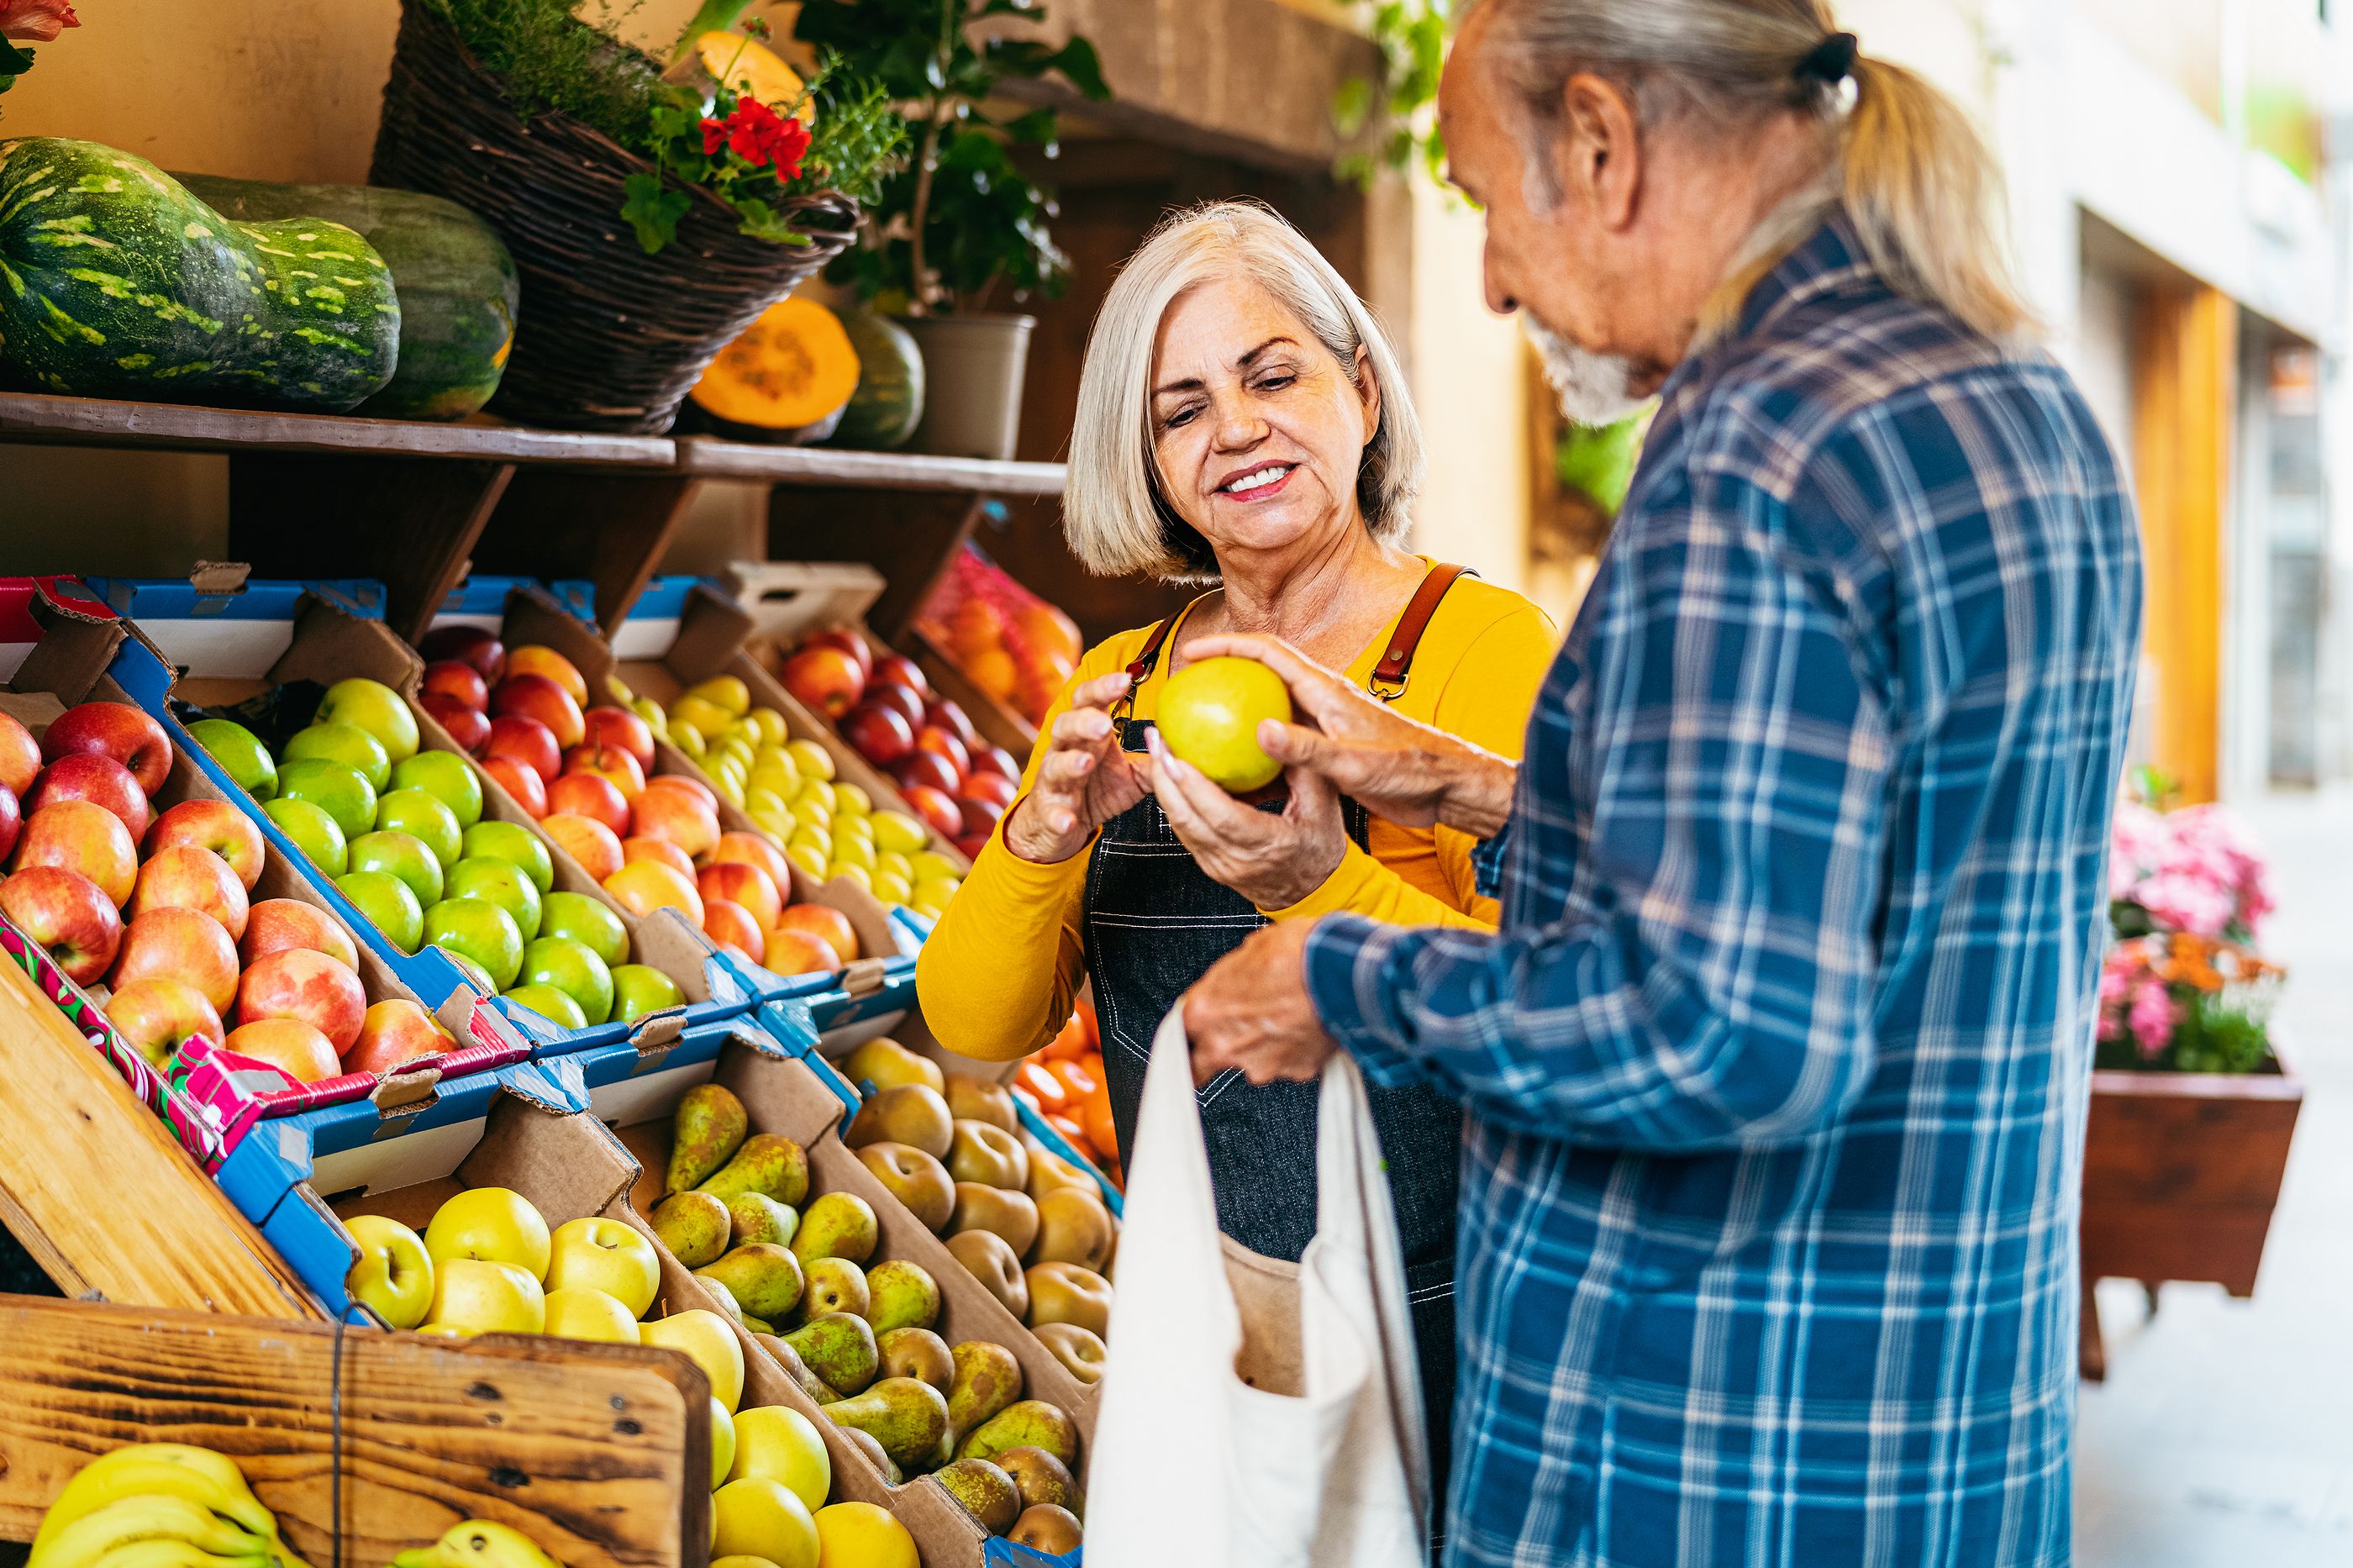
(1139, 669)
(1389, 677)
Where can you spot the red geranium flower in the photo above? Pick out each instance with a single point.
(755, 133)
(36, 21)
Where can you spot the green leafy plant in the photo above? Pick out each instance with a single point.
(1412, 36)
(962, 219)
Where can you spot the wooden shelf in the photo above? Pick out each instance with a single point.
(708, 458)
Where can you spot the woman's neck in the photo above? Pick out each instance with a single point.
(1326, 600)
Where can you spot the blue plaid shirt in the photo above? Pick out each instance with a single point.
(1777, 1070)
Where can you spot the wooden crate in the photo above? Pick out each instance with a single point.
(600, 1453)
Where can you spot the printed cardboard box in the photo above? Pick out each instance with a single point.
(219, 620)
(481, 599)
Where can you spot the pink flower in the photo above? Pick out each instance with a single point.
(2152, 1017)
(36, 21)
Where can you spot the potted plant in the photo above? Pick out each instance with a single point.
(960, 224)
(2191, 1109)
(29, 21)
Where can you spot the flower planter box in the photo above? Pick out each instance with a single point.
(2181, 1172)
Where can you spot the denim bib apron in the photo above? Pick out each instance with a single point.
(1155, 924)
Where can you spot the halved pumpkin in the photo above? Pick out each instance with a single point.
(751, 69)
(786, 379)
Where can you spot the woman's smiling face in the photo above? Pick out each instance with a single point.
(1256, 431)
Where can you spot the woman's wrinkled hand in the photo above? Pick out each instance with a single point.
(1272, 860)
(1084, 782)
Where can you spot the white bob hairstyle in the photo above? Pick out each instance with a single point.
(1114, 513)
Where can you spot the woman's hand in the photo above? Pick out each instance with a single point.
(1413, 774)
(1273, 861)
(1084, 782)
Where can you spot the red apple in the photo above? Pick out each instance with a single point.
(996, 760)
(102, 780)
(994, 788)
(971, 845)
(396, 1032)
(825, 678)
(979, 819)
(12, 821)
(879, 734)
(586, 794)
(20, 755)
(906, 703)
(944, 712)
(742, 885)
(611, 763)
(934, 737)
(798, 952)
(936, 806)
(732, 924)
(477, 645)
(678, 818)
(69, 915)
(290, 1045)
(454, 677)
(470, 728)
(586, 840)
(847, 642)
(753, 850)
(539, 697)
(190, 877)
(661, 849)
(898, 669)
(693, 788)
(822, 922)
(80, 836)
(217, 826)
(521, 780)
(179, 944)
(113, 729)
(537, 659)
(277, 925)
(528, 742)
(301, 984)
(155, 1016)
(606, 725)
(926, 768)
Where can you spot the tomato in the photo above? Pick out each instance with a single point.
(1046, 1091)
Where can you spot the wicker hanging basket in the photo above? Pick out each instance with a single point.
(609, 338)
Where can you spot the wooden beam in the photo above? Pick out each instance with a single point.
(609, 527)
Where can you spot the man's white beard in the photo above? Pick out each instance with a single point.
(1593, 388)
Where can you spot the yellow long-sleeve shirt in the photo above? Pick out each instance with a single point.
(1002, 969)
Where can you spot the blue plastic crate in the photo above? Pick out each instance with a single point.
(633, 1081)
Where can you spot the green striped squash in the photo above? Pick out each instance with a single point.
(117, 281)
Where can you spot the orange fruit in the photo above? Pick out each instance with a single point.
(1100, 1131)
(1045, 1088)
(1070, 1130)
(1080, 1082)
(1070, 1043)
(1094, 1029)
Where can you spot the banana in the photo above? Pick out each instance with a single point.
(220, 1467)
(477, 1544)
(172, 1555)
(150, 1518)
(99, 1485)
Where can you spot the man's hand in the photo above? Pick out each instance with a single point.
(1413, 774)
(1274, 861)
(1253, 1011)
(1084, 782)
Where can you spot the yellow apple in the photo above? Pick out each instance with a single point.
(580, 1314)
(860, 1535)
(492, 1224)
(475, 1296)
(395, 1273)
(722, 1444)
(761, 1518)
(707, 1340)
(608, 1255)
(782, 1444)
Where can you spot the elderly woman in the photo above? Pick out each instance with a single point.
(1241, 421)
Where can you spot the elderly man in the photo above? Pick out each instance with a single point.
(1775, 1074)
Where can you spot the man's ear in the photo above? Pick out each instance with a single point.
(1602, 148)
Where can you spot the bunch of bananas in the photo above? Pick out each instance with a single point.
(159, 1505)
(477, 1544)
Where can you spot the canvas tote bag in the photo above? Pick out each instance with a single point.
(1257, 1412)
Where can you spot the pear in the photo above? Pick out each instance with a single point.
(835, 1285)
(988, 1380)
(900, 1295)
(722, 1300)
(1073, 1226)
(752, 1325)
(909, 1113)
(942, 1453)
(765, 1279)
(865, 1444)
(974, 1098)
(1030, 1424)
(886, 1064)
(694, 1226)
(767, 1164)
(838, 1225)
(1066, 1293)
(989, 1155)
(1049, 1170)
(919, 1182)
(756, 1217)
(1081, 1350)
(838, 1348)
(918, 1353)
(992, 1264)
(904, 1416)
(708, 1126)
(1046, 1529)
(1010, 1215)
(805, 1380)
(1040, 1477)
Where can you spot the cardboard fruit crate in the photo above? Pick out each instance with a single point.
(221, 619)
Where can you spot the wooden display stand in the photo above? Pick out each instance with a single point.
(599, 1453)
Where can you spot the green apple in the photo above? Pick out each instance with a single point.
(583, 1314)
(478, 930)
(404, 855)
(608, 1254)
(573, 967)
(388, 902)
(513, 843)
(640, 989)
(345, 743)
(497, 1225)
(240, 754)
(394, 1276)
(313, 832)
(376, 708)
(336, 788)
(586, 921)
(550, 1004)
(473, 971)
(447, 775)
(503, 883)
(424, 814)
